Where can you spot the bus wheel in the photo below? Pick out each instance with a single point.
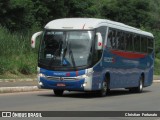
(138, 89)
(58, 92)
(103, 90)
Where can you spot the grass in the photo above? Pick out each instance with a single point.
(16, 55)
(157, 67)
(15, 64)
(9, 75)
(156, 77)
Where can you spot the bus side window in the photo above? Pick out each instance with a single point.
(150, 46)
(143, 44)
(109, 39)
(121, 41)
(111, 42)
(113, 39)
(117, 39)
(129, 41)
(137, 43)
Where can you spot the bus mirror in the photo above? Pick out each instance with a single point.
(98, 41)
(33, 39)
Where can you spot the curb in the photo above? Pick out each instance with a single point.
(18, 89)
(18, 80)
(30, 88)
(156, 81)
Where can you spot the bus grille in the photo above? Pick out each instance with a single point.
(60, 78)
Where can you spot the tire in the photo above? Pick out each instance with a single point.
(58, 92)
(104, 89)
(138, 89)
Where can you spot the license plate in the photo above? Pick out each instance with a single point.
(61, 85)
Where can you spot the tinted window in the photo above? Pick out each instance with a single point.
(150, 45)
(109, 39)
(118, 36)
(129, 41)
(113, 39)
(121, 41)
(137, 43)
(116, 39)
(143, 44)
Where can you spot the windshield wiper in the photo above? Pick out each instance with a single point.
(71, 55)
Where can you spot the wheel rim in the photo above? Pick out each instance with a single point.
(104, 89)
(105, 86)
(141, 86)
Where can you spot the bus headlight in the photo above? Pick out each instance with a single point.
(41, 75)
(82, 76)
(85, 75)
(40, 83)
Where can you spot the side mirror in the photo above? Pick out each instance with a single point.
(33, 39)
(99, 41)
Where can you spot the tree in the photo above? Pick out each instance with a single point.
(4, 5)
(131, 12)
(17, 15)
(81, 8)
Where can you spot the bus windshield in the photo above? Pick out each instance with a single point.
(69, 49)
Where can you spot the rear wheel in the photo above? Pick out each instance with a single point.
(138, 89)
(58, 92)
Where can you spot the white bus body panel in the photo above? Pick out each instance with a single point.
(91, 23)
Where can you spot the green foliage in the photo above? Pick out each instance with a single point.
(81, 8)
(21, 15)
(157, 67)
(16, 56)
(131, 12)
(154, 13)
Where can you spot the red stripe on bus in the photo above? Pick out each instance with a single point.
(129, 55)
(68, 74)
(76, 73)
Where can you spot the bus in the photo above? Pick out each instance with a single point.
(89, 54)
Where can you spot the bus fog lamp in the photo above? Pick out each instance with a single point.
(40, 83)
(84, 84)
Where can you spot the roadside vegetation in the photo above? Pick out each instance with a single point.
(16, 55)
(19, 19)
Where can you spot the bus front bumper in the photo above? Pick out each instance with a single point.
(70, 85)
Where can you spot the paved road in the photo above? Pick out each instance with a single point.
(118, 100)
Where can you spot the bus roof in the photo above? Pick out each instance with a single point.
(91, 23)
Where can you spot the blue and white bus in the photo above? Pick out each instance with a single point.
(87, 54)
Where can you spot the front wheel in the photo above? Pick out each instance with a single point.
(58, 92)
(104, 89)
